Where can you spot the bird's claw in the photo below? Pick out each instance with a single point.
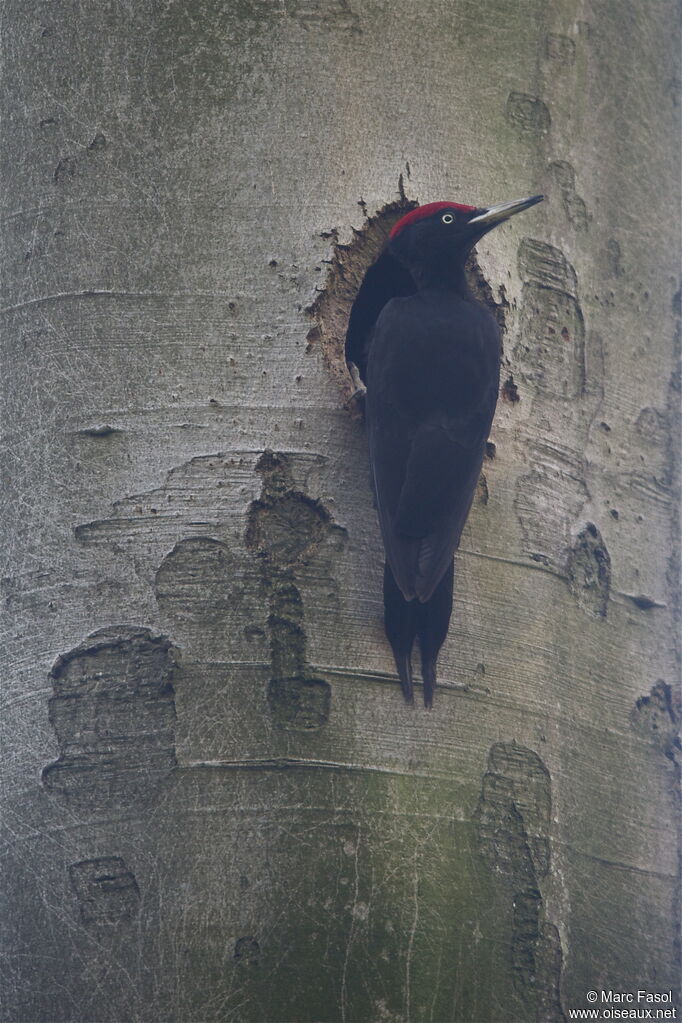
(358, 395)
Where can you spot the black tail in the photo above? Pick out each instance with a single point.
(400, 623)
(405, 620)
(432, 628)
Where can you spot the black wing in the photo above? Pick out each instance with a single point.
(433, 378)
(385, 279)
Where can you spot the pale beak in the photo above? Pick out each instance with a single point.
(496, 214)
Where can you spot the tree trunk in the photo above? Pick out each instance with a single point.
(216, 805)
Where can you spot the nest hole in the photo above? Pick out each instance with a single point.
(347, 268)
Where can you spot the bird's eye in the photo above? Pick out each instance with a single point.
(447, 218)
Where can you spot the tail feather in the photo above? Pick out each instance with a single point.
(404, 665)
(407, 620)
(429, 677)
(432, 628)
(400, 623)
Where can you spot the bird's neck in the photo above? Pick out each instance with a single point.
(450, 279)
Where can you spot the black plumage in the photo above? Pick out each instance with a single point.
(384, 280)
(430, 356)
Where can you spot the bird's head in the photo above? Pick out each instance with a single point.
(437, 237)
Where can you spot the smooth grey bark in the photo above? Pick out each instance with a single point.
(218, 807)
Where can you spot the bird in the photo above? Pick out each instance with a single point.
(429, 355)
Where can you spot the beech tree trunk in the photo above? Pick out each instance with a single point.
(216, 805)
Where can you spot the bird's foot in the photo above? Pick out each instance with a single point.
(358, 395)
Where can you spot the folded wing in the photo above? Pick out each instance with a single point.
(431, 399)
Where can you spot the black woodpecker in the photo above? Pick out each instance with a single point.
(430, 356)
